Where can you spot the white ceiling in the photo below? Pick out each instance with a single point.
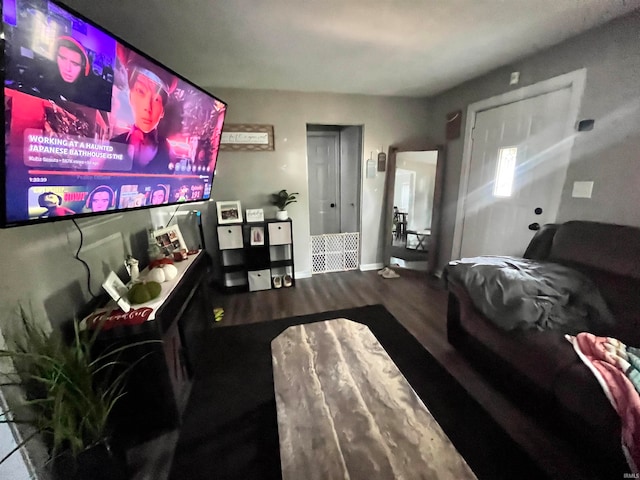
(377, 47)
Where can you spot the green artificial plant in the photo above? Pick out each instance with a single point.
(282, 199)
(69, 391)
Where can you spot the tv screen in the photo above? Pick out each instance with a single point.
(94, 126)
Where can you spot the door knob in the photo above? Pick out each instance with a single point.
(333, 205)
(538, 211)
(534, 226)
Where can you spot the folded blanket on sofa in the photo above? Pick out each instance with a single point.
(518, 293)
(616, 367)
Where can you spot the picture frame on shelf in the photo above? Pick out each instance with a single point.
(117, 290)
(229, 211)
(257, 235)
(170, 240)
(255, 215)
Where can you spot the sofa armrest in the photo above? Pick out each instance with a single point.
(539, 247)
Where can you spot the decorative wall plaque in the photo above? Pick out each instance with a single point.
(246, 137)
(454, 121)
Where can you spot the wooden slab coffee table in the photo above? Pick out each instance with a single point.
(346, 412)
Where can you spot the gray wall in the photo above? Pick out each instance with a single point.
(40, 272)
(39, 269)
(251, 176)
(608, 155)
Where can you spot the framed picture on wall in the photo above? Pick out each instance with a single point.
(229, 211)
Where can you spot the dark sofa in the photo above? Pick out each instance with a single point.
(540, 369)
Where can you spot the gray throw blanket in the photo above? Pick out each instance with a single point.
(517, 293)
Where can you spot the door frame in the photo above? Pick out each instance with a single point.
(575, 81)
(318, 129)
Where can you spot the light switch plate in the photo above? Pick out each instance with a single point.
(582, 189)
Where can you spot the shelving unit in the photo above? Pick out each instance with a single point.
(252, 253)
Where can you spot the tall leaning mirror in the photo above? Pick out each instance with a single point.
(412, 208)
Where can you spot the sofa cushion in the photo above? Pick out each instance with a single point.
(613, 248)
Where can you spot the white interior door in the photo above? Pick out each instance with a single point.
(517, 171)
(324, 202)
(350, 148)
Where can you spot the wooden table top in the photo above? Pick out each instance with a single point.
(346, 412)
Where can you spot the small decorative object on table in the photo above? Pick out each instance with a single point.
(179, 255)
(281, 200)
(161, 270)
(153, 248)
(131, 264)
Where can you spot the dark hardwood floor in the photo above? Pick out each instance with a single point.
(420, 305)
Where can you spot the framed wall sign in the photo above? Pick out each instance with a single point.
(229, 211)
(246, 137)
(255, 215)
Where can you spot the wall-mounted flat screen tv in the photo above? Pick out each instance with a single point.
(94, 126)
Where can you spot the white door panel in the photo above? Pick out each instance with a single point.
(496, 223)
(350, 178)
(322, 151)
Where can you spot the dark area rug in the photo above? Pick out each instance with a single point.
(230, 428)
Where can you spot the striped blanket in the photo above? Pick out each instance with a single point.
(617, 369)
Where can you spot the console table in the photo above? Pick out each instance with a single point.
(159, 385)
(346, 411)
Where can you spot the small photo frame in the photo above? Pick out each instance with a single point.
(255, 215)
(257, 235)
(169, 239)
(229, 212)
(117, 290)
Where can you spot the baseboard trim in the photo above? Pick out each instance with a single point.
(371, 266)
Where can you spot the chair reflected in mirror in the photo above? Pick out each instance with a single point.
(399, 225)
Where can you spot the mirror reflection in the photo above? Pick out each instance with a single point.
(413, 206)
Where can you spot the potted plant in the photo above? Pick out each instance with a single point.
(69, 393)
(281, 200)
